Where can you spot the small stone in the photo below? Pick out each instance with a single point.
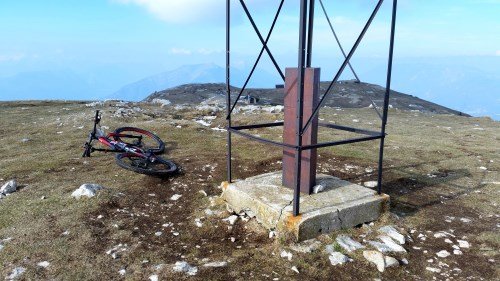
(43, 197)
(9, 187)
(370, 184)
(272, 234)
(231, 219)
(216, 264)
(463, 244)
(233, 239)
(405, 261)
(318, 188)
(158, 233)
(175, 197)
(25, 140)
(287, 255)
(16, 273)
(198, 222)
(448, 241)
(393, 233)
(182, 266)
(375, 257)
(391, 244)
(457, 252)
(483, 168)
(86, 190)
(338, 258)
(433, 269)
(294, 268)
(465, 220)
(43, 264)
(203, 192)
(390, 262)
(348, 244)
(443, 254)
(153, 277)
(122, 272)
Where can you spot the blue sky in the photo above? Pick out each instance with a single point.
(138, 38)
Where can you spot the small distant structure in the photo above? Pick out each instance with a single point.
(249, 99)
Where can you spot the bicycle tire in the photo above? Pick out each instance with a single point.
(154, 144)
(160, 167)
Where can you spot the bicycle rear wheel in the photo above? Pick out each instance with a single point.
(140, 138)
(158, 167)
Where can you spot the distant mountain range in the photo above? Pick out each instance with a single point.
(188, 74)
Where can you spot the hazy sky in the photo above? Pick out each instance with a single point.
(157, 35)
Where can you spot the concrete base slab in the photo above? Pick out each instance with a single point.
(341, 205)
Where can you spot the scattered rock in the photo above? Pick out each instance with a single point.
(122, 272)
(115, 252)
(393, 233)
(391, 244)
(162, 102)
(158, 233)
(375, 257)
(175, 197)
(463, 244)
(443, 254)
(272, 234)
(433, 269)
(231, 219)
(16, 273)
(294, 268)
(318, 188)
(43, 264)
(390, 262)
(216, 264)
(457, 252)
(153, 277)
(287, 255)
(25, 140)
(370, 184)
(182, 266)
(87, 190)
(337, 258)
(9, 187)
(348, 244)
(307, 246)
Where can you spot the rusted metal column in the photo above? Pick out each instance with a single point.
(310, 100)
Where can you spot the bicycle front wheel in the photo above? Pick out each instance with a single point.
(155, 167)
(140, 138)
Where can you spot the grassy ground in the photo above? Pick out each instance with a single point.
(442, 173)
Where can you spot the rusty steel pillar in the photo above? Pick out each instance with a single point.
(310, 101)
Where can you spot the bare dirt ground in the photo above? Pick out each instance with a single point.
(441, 171)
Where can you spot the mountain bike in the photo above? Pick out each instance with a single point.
(137, 149)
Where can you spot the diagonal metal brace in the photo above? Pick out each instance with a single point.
(257, 61)
(261, 39)
(343, 66)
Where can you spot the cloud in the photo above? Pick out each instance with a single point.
(13, 57)
(497, 53)
(188, 11)
(180, 51)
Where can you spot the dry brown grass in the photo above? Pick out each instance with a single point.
(448, 148)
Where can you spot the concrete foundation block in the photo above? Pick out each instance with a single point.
(341, 205)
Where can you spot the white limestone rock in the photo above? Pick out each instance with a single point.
(231, 219)
(391, 244)
(463, 244)
(216, 264)
(9, 187)
(443, 254)
(287, 255)
(337, 258)
(16, 273)
(86, 190)
(391, 262)
(376, 258)
(348, 244)
(393, 233)
(182, 266)
(43, 264)
(370, 184)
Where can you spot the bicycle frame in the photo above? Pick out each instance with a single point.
(114, 146)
